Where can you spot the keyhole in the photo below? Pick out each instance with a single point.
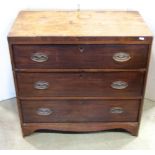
(81, 76)
(81, 102)
(81, 49)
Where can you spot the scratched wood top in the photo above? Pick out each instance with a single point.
(79, 23)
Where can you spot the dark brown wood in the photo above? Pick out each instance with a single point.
(131, 127)
(144, 83)
(81, 111)
(80, 84)
(80, 40)
(77, 70)
(71, 57)
(80, 79)
(15, 82)
(83, 98)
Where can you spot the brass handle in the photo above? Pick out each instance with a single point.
(41, 85)
(121, 57)
(44, 111)
(39, 57)
(119, 85)
(116, 110)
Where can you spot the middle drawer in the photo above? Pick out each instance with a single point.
(111, 84)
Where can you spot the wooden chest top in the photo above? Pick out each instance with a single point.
(76, 24)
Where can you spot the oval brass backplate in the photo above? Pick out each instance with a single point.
(44, 111)
(39, 57)
(121, 57)
(41, 85)
(119, 85)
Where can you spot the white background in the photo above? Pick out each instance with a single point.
(10, 8)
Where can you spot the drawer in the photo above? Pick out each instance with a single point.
(80, 111)
(80, 56)
(111, 84)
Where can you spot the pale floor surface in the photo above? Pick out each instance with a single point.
(11, 137)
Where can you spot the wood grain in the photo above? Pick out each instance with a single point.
(84, 27)
(80, 111)
(75, 23)
(70, 56)
(79, 40)
(80, 84)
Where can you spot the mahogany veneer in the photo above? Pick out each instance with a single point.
(69, 57)
(80, 71)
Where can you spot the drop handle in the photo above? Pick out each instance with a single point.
(44, 111)
(121, 57)
(117, 110)
(119, 85)
(39, 57)
(41, 85)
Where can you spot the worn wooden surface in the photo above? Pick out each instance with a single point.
(80, 76)
(79, 23)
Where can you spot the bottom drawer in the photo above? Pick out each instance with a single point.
(80, 111)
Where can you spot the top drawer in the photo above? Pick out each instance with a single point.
(80, 56)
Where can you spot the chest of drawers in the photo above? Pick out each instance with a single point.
(80, 71)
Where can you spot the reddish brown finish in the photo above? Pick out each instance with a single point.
(80, 111)
(72, 57)
(80, 84)
(76, 76)
(80, 40)
(77, 70)
(132, 127)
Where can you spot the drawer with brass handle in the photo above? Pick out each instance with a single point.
(44, 111)
(112, 84)
(80, 56)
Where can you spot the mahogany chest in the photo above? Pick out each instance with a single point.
(80, 71)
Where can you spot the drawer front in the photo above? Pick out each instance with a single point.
(113, 84)
(80, 56)
(80, 111)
